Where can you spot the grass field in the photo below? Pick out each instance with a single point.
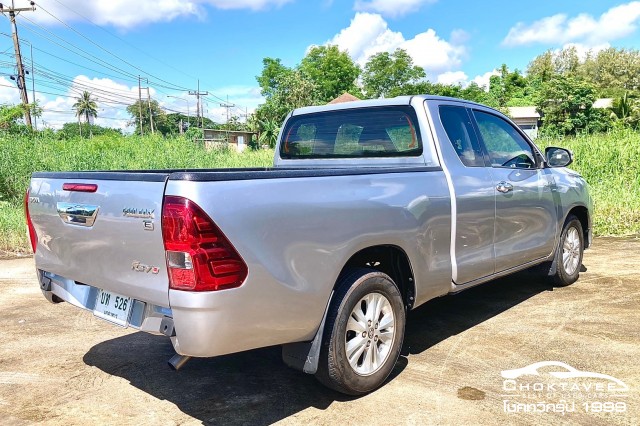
(609, 162)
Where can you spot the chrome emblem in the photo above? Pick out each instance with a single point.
(77, 214)
(141, 267)
(138, 213)
(34, 200)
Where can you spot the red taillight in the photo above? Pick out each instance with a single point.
(80, 187)
(199, 256)
(33, 237)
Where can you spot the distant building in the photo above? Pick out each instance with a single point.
(345, 97)
(527, 118)
(216, 138)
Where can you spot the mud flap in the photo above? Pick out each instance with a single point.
(304, 356)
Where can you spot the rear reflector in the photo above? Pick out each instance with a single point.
(80, 187)
(199, 256)
(33, 237)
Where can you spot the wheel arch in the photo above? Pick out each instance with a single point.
(582, 213)
(390, 259)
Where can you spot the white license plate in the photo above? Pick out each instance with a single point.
(113, 307)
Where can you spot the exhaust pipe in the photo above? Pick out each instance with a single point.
(178, 361)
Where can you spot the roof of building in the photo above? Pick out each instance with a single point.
(523, 112)
(228, 131)
(603, 103)
(345, 97)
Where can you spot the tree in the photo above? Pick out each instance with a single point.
(626, 110)
(9, 115)
(331, 70)
(386, 71)
(269, 133)
(565, 104)
(273, 72)
(614, 71)
(86, 107)
(509, 88)
(291, 90)
(159, 117)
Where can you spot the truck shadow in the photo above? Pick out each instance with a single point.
(255, 387)
(448, 316)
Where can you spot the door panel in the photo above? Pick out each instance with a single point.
(525, 225)
(474, 194)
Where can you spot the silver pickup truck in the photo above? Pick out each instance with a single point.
(372, 208)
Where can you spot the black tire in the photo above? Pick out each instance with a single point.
(334, 369)
(571, 244)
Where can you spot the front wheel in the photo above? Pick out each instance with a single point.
(569, 253)
(363, 333)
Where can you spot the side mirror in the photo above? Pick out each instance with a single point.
(558, 157)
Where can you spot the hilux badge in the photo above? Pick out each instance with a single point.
(139, 213)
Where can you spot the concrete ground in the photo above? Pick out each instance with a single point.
(62, 366)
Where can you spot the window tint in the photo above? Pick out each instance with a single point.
(362, 132)
(506, 147)
(457, 125)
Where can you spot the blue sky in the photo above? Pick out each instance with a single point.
(222, 42)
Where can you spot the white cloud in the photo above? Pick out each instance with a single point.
(127, 14)
(9, 93)
(617, 22)
(111, 97)
(453, 77)
(484, 79)
(369, 34)
(390, 8)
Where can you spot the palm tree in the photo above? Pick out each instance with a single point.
(269, 133)
(87, 107)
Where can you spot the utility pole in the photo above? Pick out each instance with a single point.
(140, 104)
(197, 94)
(33, 87)
(16, 44)
(150, 112)
(227, 106)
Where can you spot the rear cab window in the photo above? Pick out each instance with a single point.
(356, 133)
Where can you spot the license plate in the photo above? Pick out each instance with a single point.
(113, 307)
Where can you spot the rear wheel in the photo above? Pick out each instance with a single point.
(363, 333)
(569, 253)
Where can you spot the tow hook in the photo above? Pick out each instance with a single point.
(178, 361)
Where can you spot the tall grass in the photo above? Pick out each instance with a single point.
(610, 163)
(21, 156)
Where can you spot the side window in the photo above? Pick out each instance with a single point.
(457, 125)
(506, 147)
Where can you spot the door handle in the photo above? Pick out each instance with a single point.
(504, 187)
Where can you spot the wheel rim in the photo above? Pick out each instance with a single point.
(370, 334)
(571, 250)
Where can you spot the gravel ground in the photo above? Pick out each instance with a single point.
(62, 366)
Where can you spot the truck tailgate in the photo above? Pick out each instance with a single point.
(110, 238)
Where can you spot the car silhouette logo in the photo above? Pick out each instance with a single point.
(566, 372)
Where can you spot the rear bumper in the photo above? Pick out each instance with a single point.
(144, 316)
(199, 324)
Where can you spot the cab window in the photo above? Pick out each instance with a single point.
(505, 145)
(361, 132)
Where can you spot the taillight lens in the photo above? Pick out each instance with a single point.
(199, 256)
(33, 237)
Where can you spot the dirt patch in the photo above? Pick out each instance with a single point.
(62, 366)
